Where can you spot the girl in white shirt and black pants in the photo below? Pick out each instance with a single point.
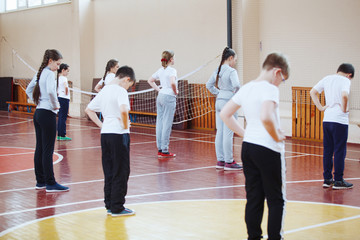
(64, 100)
(42, 90)
(165, 102)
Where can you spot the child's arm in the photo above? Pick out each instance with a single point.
(173, 85)
(227, 115)
(66, 88)
(315, 97)
(124, 112)
(268, 120)
(92, 115)
(344, 101)
(152, 83)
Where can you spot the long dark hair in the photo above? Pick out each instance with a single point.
(52, 54)
(228, 52)
(63, 66)
(109, 65)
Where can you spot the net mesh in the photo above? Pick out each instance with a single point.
(193, 101)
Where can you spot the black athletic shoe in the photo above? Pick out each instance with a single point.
(342, 185)
(328, 183)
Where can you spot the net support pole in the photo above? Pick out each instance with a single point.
(229, 24)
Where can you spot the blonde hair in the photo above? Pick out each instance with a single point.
(165, 57)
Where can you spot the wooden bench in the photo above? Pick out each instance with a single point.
(29, 106)
(133, 115)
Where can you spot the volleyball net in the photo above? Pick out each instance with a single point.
(193, 101)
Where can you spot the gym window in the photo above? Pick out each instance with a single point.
(16, 5)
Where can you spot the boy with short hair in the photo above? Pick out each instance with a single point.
(335, 123)
(263, 149)
(113, 102)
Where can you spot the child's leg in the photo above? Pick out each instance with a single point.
(159, 119)
(169, 111)
(219, 132)
(121, 171)
(107, 168)
(66, 111)
(61, 121)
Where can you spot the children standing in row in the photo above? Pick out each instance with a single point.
(165, 102)
(224, 83)
(114, 104)
(64, 100)
(42, 90)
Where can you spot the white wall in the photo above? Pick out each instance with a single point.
(137, 31)
(317, 36)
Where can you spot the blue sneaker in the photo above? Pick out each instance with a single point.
(40, 186)
(125, 212)
(108, 211)
(56, 188)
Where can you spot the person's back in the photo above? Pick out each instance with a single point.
(252, 95)
(111, 96)
(335, 123)
(333, 86)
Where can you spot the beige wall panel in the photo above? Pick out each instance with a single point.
(30, 33)
(137, 31)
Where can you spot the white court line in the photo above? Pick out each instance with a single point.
(25, 170)
(11, 124)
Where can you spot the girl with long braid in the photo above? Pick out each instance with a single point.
(64, 100)
(165, 102)
(224, 83)
(111, 67)
(42, 90)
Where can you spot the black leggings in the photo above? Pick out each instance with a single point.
(45, 129)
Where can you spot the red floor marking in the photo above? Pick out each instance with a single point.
(17, 159)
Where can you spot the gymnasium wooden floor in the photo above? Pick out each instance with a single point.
(181, 198)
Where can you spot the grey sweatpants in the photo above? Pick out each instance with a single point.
(166, 105)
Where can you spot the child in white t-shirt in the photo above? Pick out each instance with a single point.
(165, 102)
(111, 67)
(114, 104)
(335, 123)
(262, 150)
(64, 100)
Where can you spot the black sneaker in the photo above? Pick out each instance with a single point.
(328, 183)
(56, 188)
(342, 185)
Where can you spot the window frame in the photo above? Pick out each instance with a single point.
(3, 6)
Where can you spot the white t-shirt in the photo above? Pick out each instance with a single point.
(108, 102)
(333, 86)
(108, 79)
(251, 97)
(63, 83)
(164, 75)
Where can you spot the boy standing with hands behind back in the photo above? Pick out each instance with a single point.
(113, 102)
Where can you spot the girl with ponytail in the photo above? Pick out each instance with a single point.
(42, 90)
(224, 83)
(165, 102)
(111, 67)
(64, 100)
